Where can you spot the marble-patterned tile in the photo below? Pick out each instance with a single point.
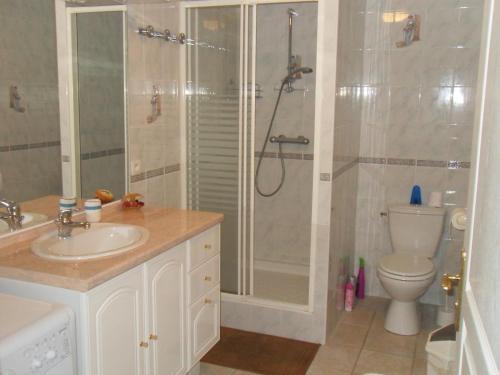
(360, 316)
(419, 366)
(210, 369)
(380, 340)
(387, 364)
(333, 360)
(348, 335)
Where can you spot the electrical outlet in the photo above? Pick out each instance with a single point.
(135, 166)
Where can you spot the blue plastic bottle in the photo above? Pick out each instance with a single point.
(416, 196)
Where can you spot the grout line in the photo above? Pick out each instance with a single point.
(364, 342)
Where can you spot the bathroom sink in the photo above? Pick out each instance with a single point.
(101, 240)
(29, 219)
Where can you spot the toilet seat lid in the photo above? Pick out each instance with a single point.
(406, 265)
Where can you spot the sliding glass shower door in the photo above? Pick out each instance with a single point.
(250, 79)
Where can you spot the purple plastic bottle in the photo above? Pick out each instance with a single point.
(360, 286)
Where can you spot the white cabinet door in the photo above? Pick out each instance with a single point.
(116, 325)
(167, 294)
(204, 325)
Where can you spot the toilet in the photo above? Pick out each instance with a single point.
(407, 273)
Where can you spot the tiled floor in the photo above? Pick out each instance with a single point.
(360, 345)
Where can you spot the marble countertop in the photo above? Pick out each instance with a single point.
(167, 226)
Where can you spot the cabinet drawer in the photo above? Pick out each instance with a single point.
(204, 325)
(203, 279)
(203, 247)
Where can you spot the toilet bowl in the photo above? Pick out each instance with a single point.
(405, 278)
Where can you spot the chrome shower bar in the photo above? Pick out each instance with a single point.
(300, 140)
(150, 32)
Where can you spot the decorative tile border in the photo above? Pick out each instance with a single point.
(102, 153)
(286, 155)
(155, 173)
(450, 164)
(29, 146)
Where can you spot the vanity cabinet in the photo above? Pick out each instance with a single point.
(204, 294)
(167, 312)
(116, 325)
(146, 321)
(152, 311)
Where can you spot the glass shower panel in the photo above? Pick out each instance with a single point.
(214, 138)
(282, 236)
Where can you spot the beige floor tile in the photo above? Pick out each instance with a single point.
(429, 315)
(348, 334)
(379, 319)
(419, 366)
(209, 369)
(336, 360)
(380, 340)
(241, 372)
(320, 371)
(376, 303)
(421, 342)
(360, 315)
(383, 363)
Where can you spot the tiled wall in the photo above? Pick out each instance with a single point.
(100, 107)
(346, 149)
(283, 222)
(30, 160)
(417, 112)
(155, 147)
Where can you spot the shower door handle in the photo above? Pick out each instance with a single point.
(300, 140)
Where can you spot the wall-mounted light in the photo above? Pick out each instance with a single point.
(392, 17)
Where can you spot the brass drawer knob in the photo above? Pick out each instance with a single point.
(144, 344)
(208, 301)
(207, 278)
(207, 246)
(153, 337)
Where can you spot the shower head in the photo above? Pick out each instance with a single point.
(292, 12)
(303, 70)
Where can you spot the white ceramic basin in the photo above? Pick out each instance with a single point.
(30, 219)
(101, 240)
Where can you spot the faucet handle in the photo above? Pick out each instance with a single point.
(64, 216)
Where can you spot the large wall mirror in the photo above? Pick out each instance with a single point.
(62, 103)
(98, 80)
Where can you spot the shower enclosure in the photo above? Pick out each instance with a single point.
(250, 83)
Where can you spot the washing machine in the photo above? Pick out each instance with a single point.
(36, 337)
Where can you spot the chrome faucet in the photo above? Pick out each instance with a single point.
(65, 224)
(12, 215)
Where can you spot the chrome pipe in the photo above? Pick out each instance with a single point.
(281, 139)
(291, 66)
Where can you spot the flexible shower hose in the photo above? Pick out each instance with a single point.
(280, 153)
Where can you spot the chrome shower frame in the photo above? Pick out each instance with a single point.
(248, 93)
